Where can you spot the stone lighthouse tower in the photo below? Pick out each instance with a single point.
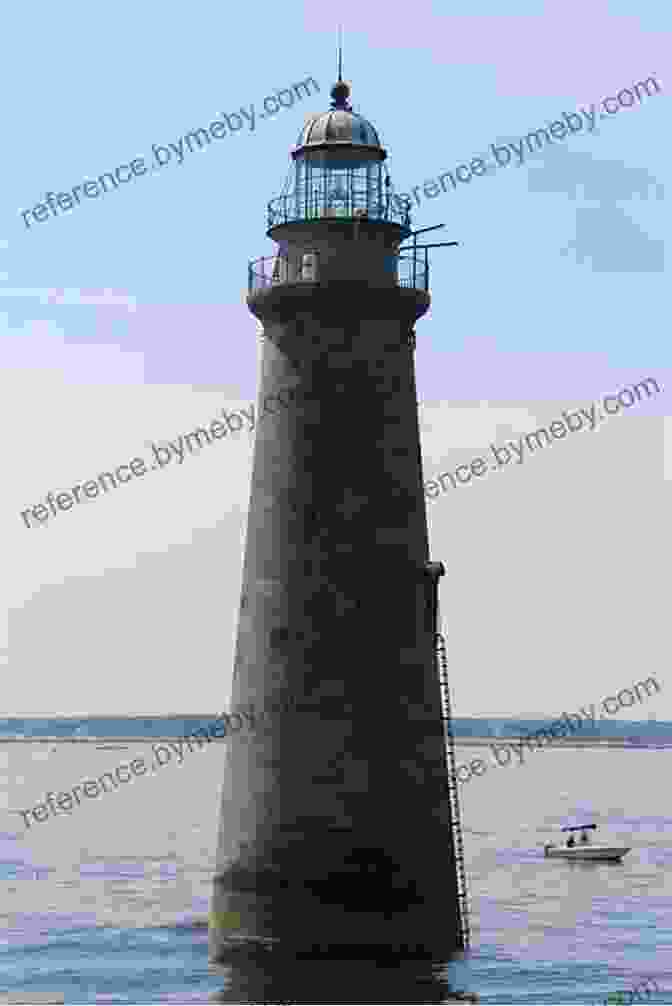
(338, 818)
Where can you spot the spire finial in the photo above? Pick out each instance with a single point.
(340, 92)
(340, 53)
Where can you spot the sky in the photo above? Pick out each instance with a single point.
(123, 322)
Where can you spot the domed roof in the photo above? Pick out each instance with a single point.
(339, 125)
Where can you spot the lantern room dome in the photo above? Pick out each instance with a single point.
(340, 125)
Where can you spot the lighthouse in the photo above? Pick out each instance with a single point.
(339, 828)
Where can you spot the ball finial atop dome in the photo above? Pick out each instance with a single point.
(340, 93)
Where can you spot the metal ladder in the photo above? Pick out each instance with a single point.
(462, 906)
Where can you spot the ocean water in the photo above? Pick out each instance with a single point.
(109, 903)
(650, 732)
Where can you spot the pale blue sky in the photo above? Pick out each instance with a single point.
(556, 296)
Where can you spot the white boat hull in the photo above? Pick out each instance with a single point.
(611, 853)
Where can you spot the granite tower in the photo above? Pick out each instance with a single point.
(338, 822)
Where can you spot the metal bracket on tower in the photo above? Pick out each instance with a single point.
(434, 571)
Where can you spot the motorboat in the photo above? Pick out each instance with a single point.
(606, 853)
(584, 850)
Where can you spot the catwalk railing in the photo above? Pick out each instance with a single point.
(409, 270)
(352, 202)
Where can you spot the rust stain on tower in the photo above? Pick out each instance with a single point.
(339, 823)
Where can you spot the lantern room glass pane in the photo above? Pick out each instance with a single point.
(332, 186)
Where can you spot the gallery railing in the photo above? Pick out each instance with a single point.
(353, 203)
(410, 270)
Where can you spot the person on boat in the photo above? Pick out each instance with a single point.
(584, 836)
(570, 842)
